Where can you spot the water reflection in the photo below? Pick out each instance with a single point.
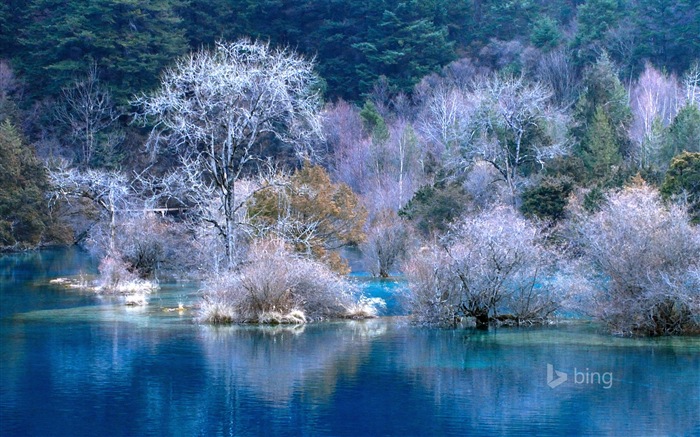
(496, 381)
(292, 370)
(72, 364)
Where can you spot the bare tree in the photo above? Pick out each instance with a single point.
(396, 169)
(655, 100)
(215, 106)
(691, 81)
(515, 124)
(646, 256)
(386, 173)
(388, 241)
(110, 191)
(557, 70)
(348, 146)
(87, 111)
(189, 191)
(444, 119)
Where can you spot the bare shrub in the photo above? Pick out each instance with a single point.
(387, 242)
(492, 268)
(432, 297)
(647, 256)
(154, 245)
(485, 186)
(276, 285)
(116, 278)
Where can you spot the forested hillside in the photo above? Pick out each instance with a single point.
(355, 43)
(286, 130)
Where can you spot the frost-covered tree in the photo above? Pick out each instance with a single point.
(215, 107)
(387, 243)
(655, 100)
(515, 128)
(87, 112)
(110, 192)
(646, 256)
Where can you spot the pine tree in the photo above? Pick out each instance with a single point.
(602, 152)
(129, 41)
(602, 109)
(23, 182)
(683, 181)
(683, 134)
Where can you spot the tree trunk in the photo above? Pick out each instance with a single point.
(482, 319)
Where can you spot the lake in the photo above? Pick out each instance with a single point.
(74, 364)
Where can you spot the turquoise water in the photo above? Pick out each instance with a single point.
(73, 364)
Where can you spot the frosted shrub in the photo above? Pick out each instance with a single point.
(276, 285)
(116, 278)
(491, 267)
(647, 256)
(387, 242)
(431, 297)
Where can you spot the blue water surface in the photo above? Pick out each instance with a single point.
(74, 364)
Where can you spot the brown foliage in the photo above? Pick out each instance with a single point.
(311, 213)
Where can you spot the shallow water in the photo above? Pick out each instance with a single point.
(73, 364)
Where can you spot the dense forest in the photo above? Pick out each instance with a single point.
(508, 157)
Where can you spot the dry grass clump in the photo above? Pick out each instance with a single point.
(278, 286)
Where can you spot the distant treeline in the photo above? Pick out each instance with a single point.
(358, 45)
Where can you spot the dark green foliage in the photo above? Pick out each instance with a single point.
(6, 29)
(595, 18)
(545, 33)
(355, 43)
(129, 41)
(373, 122)
(668, 32)
(683, 180)
(207, 21)
(13, 18)
(602, 117)
(593, 199)
(547, 200)
(433, 208)
(683, 134)
(403, 45)
(23, 211)
(600, 150)
(503, 20)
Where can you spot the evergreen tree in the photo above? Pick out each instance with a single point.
(502, 20)
(548, 199)
(602, 117)
(207, 21)
(683, 180)
(130, 42)
(594, 19)
(545, 33)
(13, 18)
(683, 134)
(374, 123)
(23, 212)
(668, 32)
(601, 152)
(404, 45)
